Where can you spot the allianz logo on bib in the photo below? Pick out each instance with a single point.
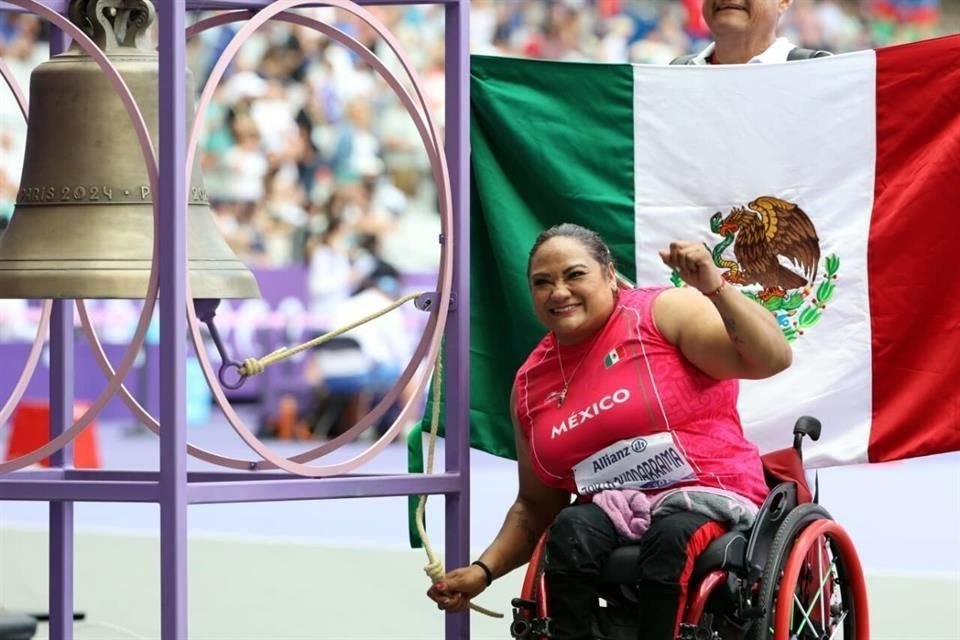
(603, 461)
(577, 418)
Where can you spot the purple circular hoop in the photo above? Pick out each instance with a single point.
(430, 138)
(437, 321)
(146, 146)
(440, 176)
(33, 357)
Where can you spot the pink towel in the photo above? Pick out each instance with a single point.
(628, 509)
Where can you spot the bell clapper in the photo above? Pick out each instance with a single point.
(206, 309)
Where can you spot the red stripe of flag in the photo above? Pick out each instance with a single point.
(914, 252)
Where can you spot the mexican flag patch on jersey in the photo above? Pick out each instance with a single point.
(613, 357)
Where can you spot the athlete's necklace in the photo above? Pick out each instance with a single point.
(566, 381)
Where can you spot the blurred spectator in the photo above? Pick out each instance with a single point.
(330, 272)
(360, 374)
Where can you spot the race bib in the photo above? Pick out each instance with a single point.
(650, 462)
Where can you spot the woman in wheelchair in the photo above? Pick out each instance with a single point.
(629, 404)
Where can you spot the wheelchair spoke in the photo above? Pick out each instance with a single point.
(841, 614)
(806, 618)
(816, 596)
(823, 613)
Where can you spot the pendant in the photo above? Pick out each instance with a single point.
(561, 396)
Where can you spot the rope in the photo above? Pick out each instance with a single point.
(255, 366)
(434, 568)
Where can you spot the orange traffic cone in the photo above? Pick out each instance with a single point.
(31, 430)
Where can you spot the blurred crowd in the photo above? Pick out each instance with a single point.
(653, 32)
(310, 159)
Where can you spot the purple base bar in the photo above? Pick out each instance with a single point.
(316, 489)
(173, 487)
(213, 487)
(35, 474)
(64, 491)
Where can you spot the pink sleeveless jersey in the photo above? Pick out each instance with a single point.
(625, 383)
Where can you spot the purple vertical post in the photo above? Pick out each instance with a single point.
(172, 209)
(61, 417)
(457, 382)
(61, 511)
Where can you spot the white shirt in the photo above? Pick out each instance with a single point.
(776, 52)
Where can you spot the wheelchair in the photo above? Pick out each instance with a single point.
(794, 575)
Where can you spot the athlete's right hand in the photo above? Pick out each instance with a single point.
(454, 592)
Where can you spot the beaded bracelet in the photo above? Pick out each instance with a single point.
(713, 294)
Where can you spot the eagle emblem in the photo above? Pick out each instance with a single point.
(775, 261)
(767, 235)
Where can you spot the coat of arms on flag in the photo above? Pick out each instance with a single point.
(771, 251)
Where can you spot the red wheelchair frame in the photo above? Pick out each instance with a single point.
(794, 548)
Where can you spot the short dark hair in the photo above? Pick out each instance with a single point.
(590, 239)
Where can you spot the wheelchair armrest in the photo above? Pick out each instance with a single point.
(782, 500)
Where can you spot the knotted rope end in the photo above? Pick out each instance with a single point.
(251, 367)
(435, 571)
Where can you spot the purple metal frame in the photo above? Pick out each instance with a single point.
(173, 487)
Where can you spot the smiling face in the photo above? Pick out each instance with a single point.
(573, 294)
(754, 20)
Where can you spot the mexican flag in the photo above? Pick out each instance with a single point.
(843, 171)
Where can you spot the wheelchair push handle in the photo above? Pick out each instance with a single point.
(805, 426)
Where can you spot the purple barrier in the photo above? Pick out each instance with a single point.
(89, 381)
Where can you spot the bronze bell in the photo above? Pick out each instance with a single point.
(83, 222)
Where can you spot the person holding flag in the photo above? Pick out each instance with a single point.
(629, 399)
(745, 32)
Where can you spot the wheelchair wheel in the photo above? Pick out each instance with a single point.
(812, 587)
(529, 610)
